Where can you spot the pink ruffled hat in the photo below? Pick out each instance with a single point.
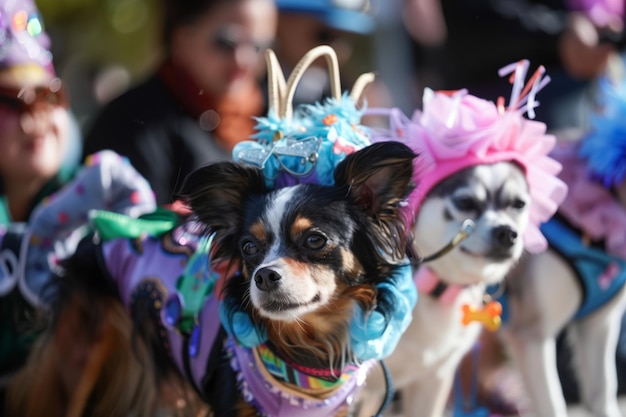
(456, 130)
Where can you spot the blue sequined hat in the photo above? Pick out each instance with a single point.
(22, 36)
(304, 145)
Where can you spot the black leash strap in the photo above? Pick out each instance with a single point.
(389, 390)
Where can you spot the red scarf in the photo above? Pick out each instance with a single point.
(235, 109)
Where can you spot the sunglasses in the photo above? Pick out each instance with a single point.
(228, 42)
(28, 99)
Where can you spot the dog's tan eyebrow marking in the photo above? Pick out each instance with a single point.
(299, 225)
(350, 263)
(257, 229)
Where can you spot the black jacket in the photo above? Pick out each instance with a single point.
(164, 143)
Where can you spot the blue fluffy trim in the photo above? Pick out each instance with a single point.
(375, 335)
(239, 325)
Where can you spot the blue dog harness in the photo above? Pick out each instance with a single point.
(600, 274)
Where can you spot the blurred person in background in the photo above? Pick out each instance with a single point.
(347, 26)
(200, 101)
(399, 24)
(566, 36)
(35, 123)
(38, 146)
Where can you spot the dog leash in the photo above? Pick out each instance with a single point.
(466, 229)
(389, 389)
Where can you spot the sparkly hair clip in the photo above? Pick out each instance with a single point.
(306, 144)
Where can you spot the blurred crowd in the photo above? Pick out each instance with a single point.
(192, 76)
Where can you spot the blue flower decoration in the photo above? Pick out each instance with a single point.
(271, 128)
(604, 147)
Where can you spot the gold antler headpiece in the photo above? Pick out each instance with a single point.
(305, 145)
(281, 92)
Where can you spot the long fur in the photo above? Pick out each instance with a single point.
(93, 360)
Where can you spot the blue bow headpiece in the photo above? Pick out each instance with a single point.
(305, 146)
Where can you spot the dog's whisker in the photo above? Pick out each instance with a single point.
(300, 323)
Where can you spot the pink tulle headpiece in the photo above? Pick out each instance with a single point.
(456, 130)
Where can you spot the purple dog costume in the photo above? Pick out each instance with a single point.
(108, 182)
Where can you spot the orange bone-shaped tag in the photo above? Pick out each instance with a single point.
(489, 316)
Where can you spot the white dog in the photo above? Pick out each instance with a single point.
(490, 165)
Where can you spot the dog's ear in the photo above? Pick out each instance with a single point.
(215, 194)
(378, 176)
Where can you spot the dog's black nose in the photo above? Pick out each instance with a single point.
(266, 279)
(504, 236)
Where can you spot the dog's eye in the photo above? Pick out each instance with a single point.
(315, 241)
(465, 204)
(249, 248)
(518, 204)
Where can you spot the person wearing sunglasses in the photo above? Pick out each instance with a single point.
(200, 101)
(35, 124)
(34, 132)
(40, 169)
(35, 136)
